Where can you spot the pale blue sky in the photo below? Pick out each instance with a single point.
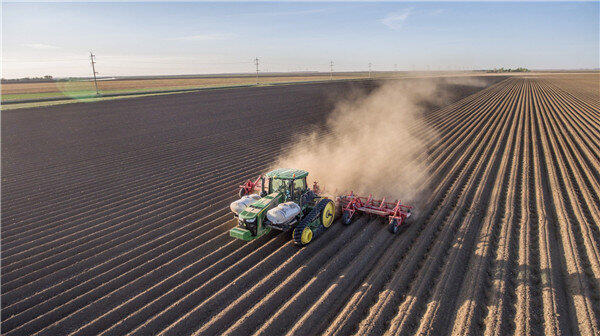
(149, 38)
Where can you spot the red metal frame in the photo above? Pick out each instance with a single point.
(316, 189)
(250, 186)
(392, 210)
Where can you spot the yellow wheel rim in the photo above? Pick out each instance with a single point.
(328, 214)
(306, 235)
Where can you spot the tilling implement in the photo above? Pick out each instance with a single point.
(396, 212)
(281, 200)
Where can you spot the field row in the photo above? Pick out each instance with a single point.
(506, 240)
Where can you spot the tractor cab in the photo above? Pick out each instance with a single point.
(290, 182)
(281, 200)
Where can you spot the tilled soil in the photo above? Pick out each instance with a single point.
(115, 219)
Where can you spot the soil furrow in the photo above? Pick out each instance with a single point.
(379, 313)
(115, 216)
(494, 232)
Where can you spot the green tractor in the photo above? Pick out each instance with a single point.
(284, 202)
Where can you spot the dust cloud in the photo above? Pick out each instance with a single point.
(376, 143)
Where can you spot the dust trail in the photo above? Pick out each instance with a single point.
(377, 144)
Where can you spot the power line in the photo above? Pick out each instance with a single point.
(192, 62)
(45, 61)
(92, 56)
(256, 63)
(106, 58)
(331, 70)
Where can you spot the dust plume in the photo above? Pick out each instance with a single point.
(376, 143)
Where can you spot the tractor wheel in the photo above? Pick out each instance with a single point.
(303, 232)
(393, 228)
(328, 213)
(346, 218)
(242, 192)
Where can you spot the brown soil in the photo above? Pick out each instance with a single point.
(115, 219)
(140, 84)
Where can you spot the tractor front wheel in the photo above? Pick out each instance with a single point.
(312, 224)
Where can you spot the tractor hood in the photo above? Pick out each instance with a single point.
(252, 212)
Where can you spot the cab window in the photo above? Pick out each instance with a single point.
(299, 185)
(278, 185)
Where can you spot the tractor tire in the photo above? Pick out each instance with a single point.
(346, 218)
(303, 234)
(328, 213)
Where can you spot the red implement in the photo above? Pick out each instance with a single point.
(249, 187)
(396, 212)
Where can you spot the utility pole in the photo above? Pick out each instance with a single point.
(395, 67)
(92, 57)
(256, 63)
(331, 70)
(370, 69)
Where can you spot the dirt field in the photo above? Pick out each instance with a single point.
(115, 218)
(12, 91)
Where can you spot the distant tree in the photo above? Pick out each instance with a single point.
(499, 70)
(46, 78)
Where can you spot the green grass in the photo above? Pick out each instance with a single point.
(88, 93)
(72, 101)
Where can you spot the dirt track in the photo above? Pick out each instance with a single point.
(115, 220)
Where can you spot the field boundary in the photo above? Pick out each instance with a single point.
(155, 92)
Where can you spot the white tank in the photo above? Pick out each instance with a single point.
(244, 202)
(283, 213)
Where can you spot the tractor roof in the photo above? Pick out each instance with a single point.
(287, 174)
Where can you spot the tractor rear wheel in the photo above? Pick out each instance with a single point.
(328, 213)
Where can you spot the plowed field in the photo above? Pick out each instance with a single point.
(115, 219)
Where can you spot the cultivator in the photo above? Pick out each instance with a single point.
(396, 212)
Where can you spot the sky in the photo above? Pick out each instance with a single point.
(152, 38)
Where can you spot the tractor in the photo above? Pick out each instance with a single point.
(281, 200)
